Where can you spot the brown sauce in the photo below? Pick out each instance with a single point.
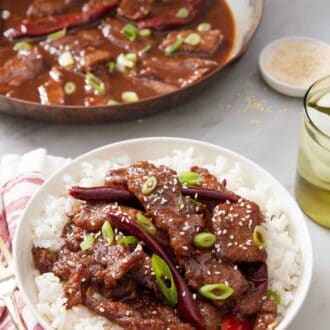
(140, 79)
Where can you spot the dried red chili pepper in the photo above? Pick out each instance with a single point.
(187, 306)
(165, 22)
(122, 194)
(46, 25)
(231, 322)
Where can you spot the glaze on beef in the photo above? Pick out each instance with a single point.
(116, 280)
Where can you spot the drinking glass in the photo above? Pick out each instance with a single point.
(312, 186)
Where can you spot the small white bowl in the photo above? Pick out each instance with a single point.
(152, 148)
(278, 85)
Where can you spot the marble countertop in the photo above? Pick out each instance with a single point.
(238, 112)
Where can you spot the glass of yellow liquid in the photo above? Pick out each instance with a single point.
(313, 174)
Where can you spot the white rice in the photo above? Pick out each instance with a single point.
(284, 254)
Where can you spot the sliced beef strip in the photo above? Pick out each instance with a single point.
(73, 236)
(44, 259)
(76, 286)
(210, 41)
(112, 30)
(142, 313)
(89, 48)
(165, 204)
(176, 71)
(51, 92)
(233, 225)
(24, 66)
(203, 269)
(135, 9)
(157, 86)
(107, 263)
(211, 314)
(40, 8)
(209, 180)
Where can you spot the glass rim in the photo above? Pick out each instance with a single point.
(306, 110)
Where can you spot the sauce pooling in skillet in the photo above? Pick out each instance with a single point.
(98, 52)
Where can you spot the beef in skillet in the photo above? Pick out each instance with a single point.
(115, 277)
(143, 48)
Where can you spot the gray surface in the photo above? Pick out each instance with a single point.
(265, 130)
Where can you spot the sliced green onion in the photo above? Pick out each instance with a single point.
(193, 39)
(190, 178)
(22, 45)
(204, 240)
(5, 14)
(66, 59)
(95, 83)
(69, 88)
(87, 242)
(132, 57)
(146, 48)
(218, 291)
(112, 66)
(183, 13)
(123, 63)
(169, 50)
(203, 27)
(112, 102)
(259, 237)
(275, 296)
(130, 31)
(164, 279)
(128, 240)
(107, 232)
(145, 33)
(56, 35)
(145, 223)
(197, 203)
(149, 185)
(129, 97)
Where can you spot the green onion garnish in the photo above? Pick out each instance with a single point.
(275, 296)
(87, 242)
(149, 185)
(146, 48)
(56, 35)
(218, 291)
(107, 232)
(259, 237)
(130, 31)
(112, 102)
(182, 13)
(128, 240)
(169, 50)
(204, 240)
(22, 45)
(145, 33)
(129, 97)
(203, 27)
(190, 178)
(95, 83)
(197, 203)
(193, 39)
(145, 223)
(69, 88)
(66, 59)
(111, 66)
(164, 279)
(132, 57)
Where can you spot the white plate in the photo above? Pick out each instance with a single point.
(152, 148)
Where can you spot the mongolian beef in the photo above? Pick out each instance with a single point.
(105, 52)
(153, 249)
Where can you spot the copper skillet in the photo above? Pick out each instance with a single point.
(247, 16)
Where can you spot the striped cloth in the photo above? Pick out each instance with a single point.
(20, 177)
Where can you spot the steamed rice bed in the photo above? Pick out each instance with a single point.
(284, 254)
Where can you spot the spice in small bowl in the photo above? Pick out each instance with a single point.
(291, 65)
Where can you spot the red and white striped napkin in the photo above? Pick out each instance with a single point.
(20, 177)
